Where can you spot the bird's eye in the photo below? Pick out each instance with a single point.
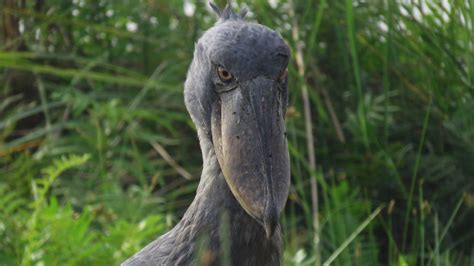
(224, 75)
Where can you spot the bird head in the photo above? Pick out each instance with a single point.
(236, 93)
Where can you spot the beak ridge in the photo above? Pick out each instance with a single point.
(249, 138)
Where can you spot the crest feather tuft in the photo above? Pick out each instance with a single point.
(228, 12)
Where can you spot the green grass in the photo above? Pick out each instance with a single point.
(386, 88)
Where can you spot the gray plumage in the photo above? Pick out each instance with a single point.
(236, 94)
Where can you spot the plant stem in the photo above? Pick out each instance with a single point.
(308, 129)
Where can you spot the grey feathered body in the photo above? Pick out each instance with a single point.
(202, 223)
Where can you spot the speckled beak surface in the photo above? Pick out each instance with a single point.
(249, 137)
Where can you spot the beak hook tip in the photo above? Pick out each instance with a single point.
(270, 222)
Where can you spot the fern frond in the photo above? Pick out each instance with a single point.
(40, 188)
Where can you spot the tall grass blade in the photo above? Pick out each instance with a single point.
(362, 117)
(415, 171)
(346, 243)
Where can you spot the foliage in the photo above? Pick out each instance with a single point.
(43, 232)
(390, 87)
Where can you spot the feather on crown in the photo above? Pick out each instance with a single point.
(228, 12)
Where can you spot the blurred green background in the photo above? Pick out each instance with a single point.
(98, 155)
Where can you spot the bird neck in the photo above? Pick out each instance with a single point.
(216, 218)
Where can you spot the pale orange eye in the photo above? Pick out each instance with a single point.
(224, 75)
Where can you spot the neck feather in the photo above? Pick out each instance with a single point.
(216, 219)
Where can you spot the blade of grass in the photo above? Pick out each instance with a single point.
(23, 12)
(169, 159)
(358, 230)
(32, 136)
(422, 223)
(437, 242)
(451, 218)
(362, 117)
(71, 72)
(313, 37)
(387, 59)
(28, 112)
(44, 102)
(415, 171)
(445, 230)
(81, 62)
(471, 14)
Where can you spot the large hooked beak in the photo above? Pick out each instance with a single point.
(249, 137)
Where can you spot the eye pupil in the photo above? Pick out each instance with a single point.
(224, 74)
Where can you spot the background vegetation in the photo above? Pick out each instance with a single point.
(98, 155)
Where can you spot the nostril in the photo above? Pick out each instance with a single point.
(282, 55)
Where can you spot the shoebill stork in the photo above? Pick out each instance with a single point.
(236, 94)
